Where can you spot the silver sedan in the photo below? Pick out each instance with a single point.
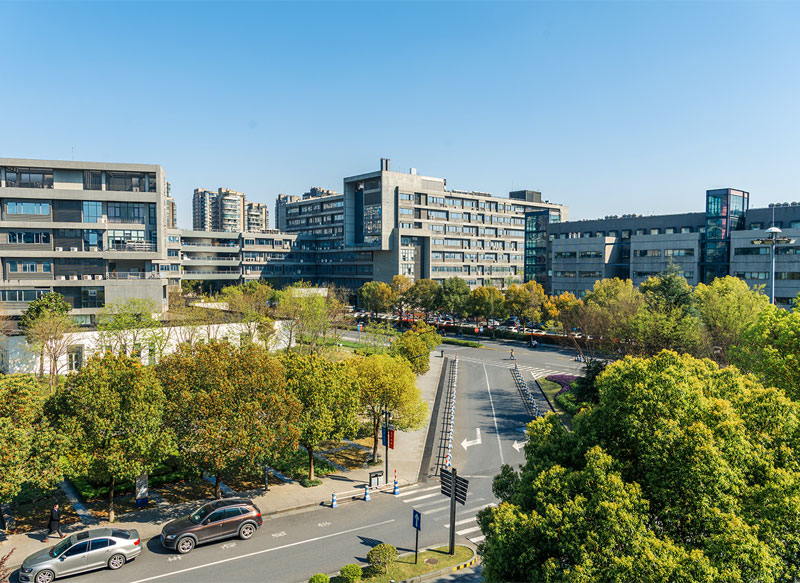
(84, 551)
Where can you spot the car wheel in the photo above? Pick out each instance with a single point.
(116, 561)
(185, 545)
(45, 576)
(246, 531)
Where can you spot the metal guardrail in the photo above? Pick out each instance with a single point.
(450, 412)
(525, 391)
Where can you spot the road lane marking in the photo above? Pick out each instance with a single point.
(302, 542)
(467, 530)
(323, 524)
(421, 497)
(413, 489)
(462, 522)
(426, 504)
(436, 510)
(416, 490)
(277, 534)
(443, 508)
(494, 417)
(476, 539)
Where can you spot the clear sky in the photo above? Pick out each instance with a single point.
(609, 108)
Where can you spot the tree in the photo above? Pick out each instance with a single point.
(376, 335)
(415, 346)
(424, 295)
(382, 556)
(770, 349)
(51, 302)
(400, 286)
(328, 399)
(682, 472)
(526, 300)
(51, 334)
(376, 296)
(31, 446)
(454, 295)
(386, 383)
(6, 323)
(727, 306)
(113, 411)
(251, 303)
(310, 316)
(488, 302)
(609, 314)
(229, 407)
(128, 327)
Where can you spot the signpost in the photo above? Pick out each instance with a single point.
(456, 489)
(416, 522)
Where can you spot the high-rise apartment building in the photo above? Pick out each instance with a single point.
(228, 211)
(92, 231)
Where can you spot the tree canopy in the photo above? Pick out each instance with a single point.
(454, 296)
(376, 296)
(682, 472)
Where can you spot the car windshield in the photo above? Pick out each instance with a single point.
(60, 547)
(201, 514)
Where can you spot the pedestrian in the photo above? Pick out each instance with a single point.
(55, 523)
(534, 344)
(512, 354)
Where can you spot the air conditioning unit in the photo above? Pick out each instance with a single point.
(59, 248)
(73, 249)
(61, 277)
(87, 276)
(93, 248)
(98, 276)
(73, 277)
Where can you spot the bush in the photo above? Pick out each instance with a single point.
(382, 556)
(567, 402)
(458, 342)
(565, 380)
(350, 573)
(306, 483)
(319, 578)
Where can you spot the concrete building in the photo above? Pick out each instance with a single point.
(227, 210)
(92, 231)
(571, 256)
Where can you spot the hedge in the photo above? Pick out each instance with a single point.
(459, 342)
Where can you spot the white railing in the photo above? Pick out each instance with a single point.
(133, 246)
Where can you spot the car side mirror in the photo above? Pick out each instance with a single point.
(206, 521)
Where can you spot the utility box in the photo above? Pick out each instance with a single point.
(376, 479)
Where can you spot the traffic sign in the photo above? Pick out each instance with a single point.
(416, 520)
(462, 486)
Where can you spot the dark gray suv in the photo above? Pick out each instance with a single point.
(213, 521)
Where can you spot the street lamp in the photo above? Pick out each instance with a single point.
(774, 238)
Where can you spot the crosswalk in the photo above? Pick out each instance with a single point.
(537, 371)
(438, 510)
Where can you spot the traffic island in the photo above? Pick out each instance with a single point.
(432, 562)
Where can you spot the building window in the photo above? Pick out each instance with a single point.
(761, 275)
(640, 231)
(92, 297)
(131, 181)
(566, 255)
(152, 213)
(92, 180)
(29, 177)
(28, 208)
(75, 357)
(405, 211)
(590, 254)
(655, 231)
(647, 253)
(126, 212)
(92, 211)
(678, 252)
(28, 238)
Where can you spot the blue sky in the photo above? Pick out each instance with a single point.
(609, 108)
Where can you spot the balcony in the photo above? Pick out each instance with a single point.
(133, 246)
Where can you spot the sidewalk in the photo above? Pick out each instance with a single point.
(405, 457)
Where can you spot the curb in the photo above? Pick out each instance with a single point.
(444, 570)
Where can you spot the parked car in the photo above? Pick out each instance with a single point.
(213, 521)
(80, 552)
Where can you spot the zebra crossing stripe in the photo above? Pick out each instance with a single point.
(467, 530)
(476, 539)
(421, 497)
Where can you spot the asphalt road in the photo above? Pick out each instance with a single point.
(490, 420)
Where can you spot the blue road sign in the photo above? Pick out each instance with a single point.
(416, 520)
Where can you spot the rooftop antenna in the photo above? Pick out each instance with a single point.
(73, 153)
(773, 215)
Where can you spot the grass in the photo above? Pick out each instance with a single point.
(32, 509)
(550, 389)
(295, 465)
(352, 458)
(459, 342)
(404, 568)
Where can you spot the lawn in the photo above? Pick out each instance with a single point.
(550, 389)
(405, 568)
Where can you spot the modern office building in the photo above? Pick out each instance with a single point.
(227, 210)
(572, 255)
(92, 231)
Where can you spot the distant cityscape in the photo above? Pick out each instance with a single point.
(99, 232)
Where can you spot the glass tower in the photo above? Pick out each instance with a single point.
(725, 210)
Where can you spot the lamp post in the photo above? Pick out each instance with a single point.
(774, 238)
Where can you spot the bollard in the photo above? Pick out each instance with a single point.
(333, 500)
(396, 488)
(366, 493)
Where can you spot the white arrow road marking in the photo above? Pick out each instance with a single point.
(261, 552)
(518, 445)
(170, 559)
(477, 441)
(228, 545)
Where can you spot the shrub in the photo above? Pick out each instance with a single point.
(565, 380)
(319, 578)
(350, 573)
(306, 483)
(458, 342)
(382, 556)
(567, 402)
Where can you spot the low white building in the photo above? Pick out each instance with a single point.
(17, 356)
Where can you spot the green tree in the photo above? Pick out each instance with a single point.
(727, 306)
(682, 472)
(609, 314)
(400, 286)
(382, 556)
(377, 336)
(229, 407)
(128, 327)
(454, 296)
(425, 295)
(488, 302)
(415, 346)
(770, 349)
(49, 303)
(31, 446)
(113, 411)
(310, 317)
(386, 383)
(51, 335)
(376, 296)
(328, 399)
(251, 303)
